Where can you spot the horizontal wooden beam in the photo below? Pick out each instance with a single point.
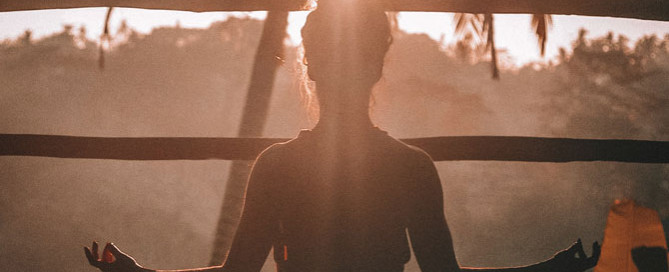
(184, 5)
(638, 9)
(453, 148)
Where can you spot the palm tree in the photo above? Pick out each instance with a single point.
(482, 25)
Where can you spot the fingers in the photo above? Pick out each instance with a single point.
(89, 256)
(108, 253)
(580, 252)
(574, 248)
(95, 250)
(594, 258)
(596, 250)
(92, 255)
(112, 247)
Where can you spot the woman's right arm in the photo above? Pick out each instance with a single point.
(252, 241)
(115, 260)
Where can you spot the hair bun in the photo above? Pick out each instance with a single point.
(346, 32)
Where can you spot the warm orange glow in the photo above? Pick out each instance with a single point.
(628, 226)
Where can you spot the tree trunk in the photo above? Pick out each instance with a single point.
(491, 43)
(268, 58)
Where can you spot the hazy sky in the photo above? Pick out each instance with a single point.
(513, 32)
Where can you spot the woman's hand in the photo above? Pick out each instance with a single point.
(574, 259)
(112, 259)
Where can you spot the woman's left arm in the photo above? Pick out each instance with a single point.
(572, 259)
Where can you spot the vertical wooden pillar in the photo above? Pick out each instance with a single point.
(267, 59)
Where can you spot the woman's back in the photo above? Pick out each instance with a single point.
(342, 203)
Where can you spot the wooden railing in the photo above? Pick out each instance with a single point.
(450, 148)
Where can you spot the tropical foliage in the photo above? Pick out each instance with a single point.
(482, 26)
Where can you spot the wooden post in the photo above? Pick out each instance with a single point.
(268, 57)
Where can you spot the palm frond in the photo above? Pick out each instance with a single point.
(540, 24)
(483, 29)
(460, 23)
(465, 22)
(487, 31)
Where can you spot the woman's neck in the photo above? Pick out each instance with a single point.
(343, 111)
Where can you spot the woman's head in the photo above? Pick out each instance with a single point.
(345, 42)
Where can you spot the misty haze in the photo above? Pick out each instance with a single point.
(179, 82)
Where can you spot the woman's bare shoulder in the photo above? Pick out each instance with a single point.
(410, 152)
(278, 152)
(271, 154)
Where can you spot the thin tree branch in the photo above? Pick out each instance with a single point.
(104, 37)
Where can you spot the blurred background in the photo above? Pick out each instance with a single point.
(182, 81)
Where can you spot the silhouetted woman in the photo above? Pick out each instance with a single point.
(343, 196)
